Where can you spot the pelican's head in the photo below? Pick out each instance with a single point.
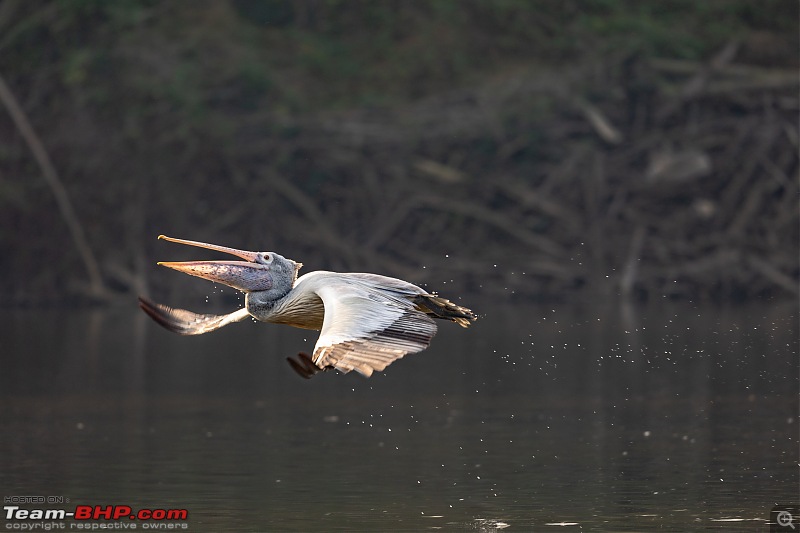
(259, 272)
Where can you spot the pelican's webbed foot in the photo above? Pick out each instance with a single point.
(304, 366)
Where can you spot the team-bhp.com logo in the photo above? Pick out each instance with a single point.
(94, 517)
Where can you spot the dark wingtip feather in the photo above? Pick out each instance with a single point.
(159, 313)
(178, 321)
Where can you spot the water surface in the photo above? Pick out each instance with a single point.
(547, 418)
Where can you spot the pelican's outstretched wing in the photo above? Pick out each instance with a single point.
(186, 322)
(370, 321)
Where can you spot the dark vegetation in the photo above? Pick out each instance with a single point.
(534, 148)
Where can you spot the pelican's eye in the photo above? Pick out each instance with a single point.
(265, 258)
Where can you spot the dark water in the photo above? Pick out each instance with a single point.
(589, 417)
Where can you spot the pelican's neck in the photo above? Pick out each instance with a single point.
(262, 304)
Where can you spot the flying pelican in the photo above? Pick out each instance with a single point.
(366, 321)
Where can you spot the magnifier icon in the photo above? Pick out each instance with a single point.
(785, 518)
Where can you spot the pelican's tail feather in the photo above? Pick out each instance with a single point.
(439, 307)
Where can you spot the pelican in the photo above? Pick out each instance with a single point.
(366, 321)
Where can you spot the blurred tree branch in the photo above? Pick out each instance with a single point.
(96, 286)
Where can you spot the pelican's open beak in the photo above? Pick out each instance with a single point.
(246, 276)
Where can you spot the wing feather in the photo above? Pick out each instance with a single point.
(186, 322)
(369, 323)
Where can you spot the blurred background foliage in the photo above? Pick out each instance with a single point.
(430, 140)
